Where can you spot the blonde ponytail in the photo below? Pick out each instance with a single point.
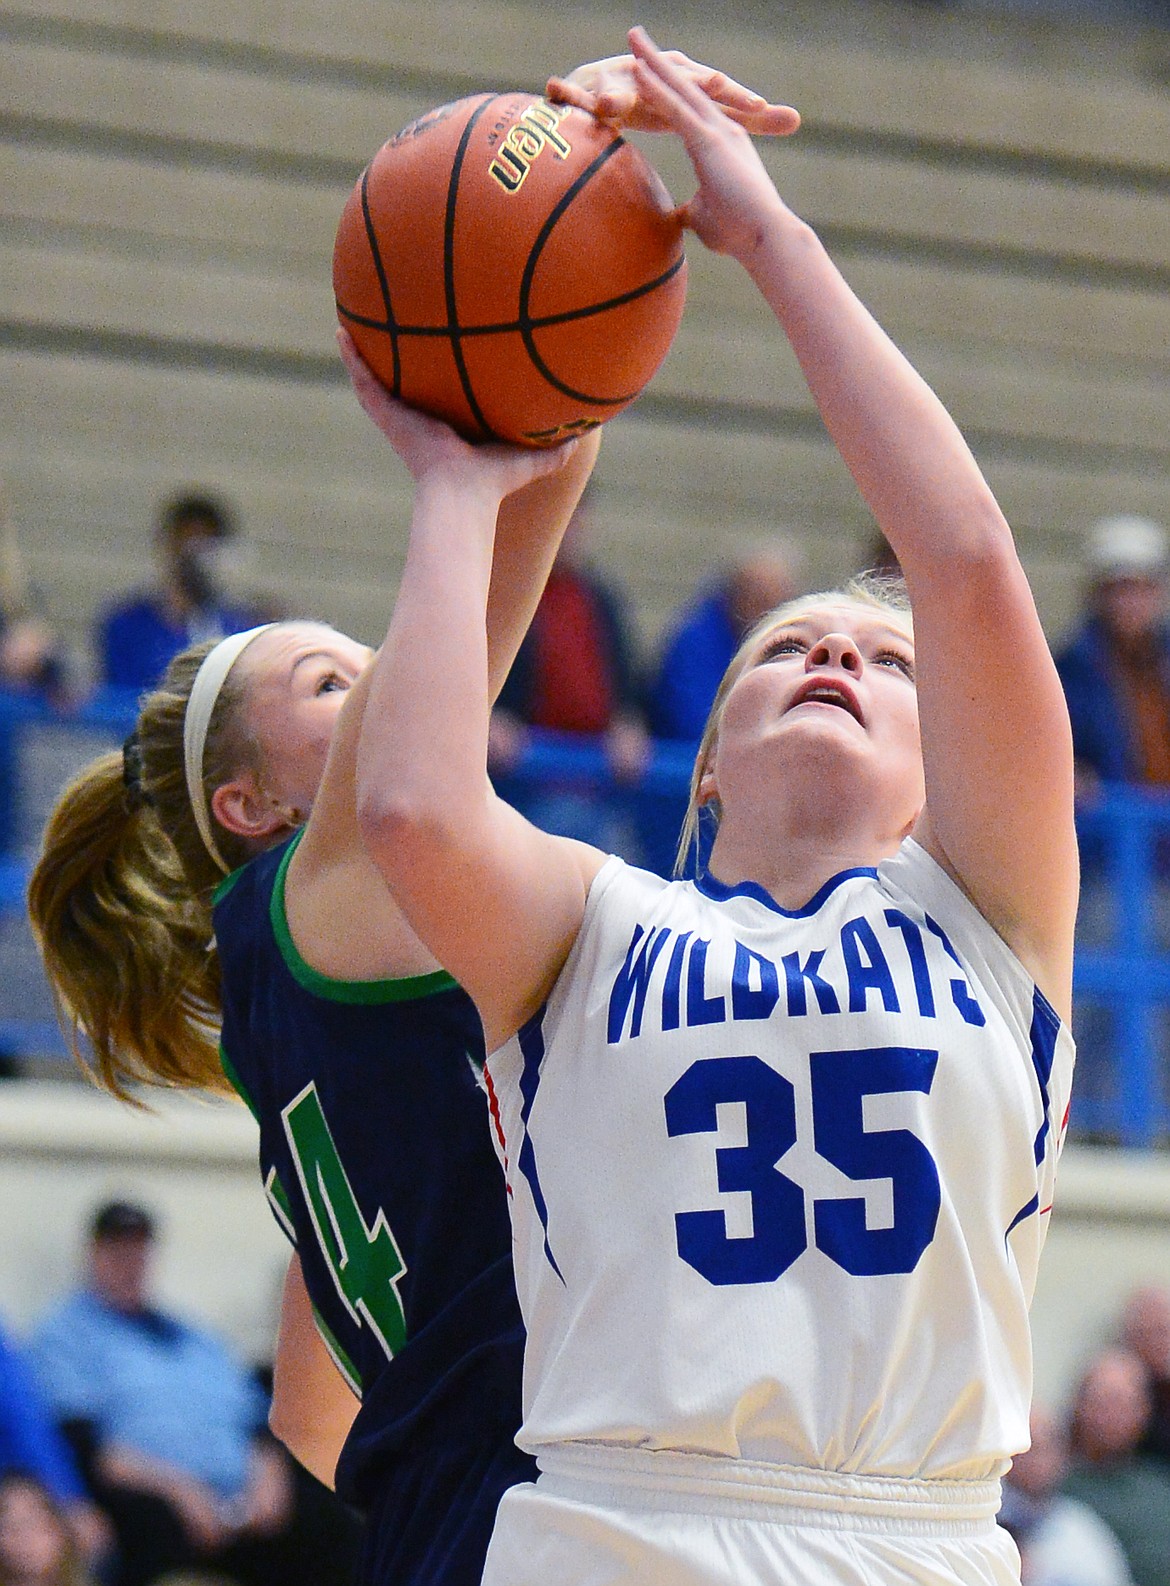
(120, 899)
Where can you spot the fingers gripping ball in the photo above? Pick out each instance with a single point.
(512, 266)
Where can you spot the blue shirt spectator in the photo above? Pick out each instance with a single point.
(1115, 667)
(139, 635)
(703, 638)
(155, 1384)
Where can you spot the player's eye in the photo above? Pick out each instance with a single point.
(330, 682)
(783, 644)
(896, 659)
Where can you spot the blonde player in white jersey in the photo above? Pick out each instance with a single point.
(780, 1142)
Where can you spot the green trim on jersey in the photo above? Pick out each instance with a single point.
(227, 884)
(407, 989)
(237, 1083)
(338, 1355)
(281, 1205)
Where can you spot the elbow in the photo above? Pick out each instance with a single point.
(406, 833)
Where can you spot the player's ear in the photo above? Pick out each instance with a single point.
(708, 789)
(241, 806)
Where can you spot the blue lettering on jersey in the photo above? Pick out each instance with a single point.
(960, 991)
(702, 1009)
(907, 972)
(671, 988)
(632, 983)
(748, 1001)
(866, 966)
(795, 975)
(916, 950)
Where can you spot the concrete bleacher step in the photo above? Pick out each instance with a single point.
(170, 183)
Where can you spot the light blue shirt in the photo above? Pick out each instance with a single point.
(162, 1387)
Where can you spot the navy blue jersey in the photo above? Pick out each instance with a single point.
(378, 1163)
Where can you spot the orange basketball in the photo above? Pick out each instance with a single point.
(511, 265)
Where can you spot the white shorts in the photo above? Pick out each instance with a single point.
(607, 1517)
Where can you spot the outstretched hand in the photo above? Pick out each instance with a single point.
(428, 446)
(609, 90)
(729, 211)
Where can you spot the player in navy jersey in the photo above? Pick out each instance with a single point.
(359, 1057)
(781, 1141)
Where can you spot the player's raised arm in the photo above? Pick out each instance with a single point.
(995, 733)
(497, 902)
(332, 871)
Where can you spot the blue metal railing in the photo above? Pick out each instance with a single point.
(1122, 975)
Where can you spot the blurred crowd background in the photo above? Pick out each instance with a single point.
(180, 457)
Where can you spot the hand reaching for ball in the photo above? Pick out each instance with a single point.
(735, 192)
(431, 448)
(609, 90)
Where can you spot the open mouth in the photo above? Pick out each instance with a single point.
(821, 691)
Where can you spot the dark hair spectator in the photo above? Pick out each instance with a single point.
(1062, 1542)
(1129, 1490)
(1145, 1329)
(189, 600)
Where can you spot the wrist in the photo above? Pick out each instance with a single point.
(779, 240)
(467, 491)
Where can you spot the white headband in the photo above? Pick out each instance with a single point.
(209, 679)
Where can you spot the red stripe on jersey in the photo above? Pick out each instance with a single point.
(494, 1110)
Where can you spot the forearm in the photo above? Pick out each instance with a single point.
(908, 457)
(123, 1466)
(312, 1407)
(423, 752)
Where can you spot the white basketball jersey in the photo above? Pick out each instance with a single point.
(780, 1180)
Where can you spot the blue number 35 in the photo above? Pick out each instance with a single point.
(840, 1083)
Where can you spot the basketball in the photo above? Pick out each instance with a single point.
(512, 266)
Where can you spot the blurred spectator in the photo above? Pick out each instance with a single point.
(1129, 1490)
(173, 1432)
(1062, 1542)
(704, 636)
(1145, 1329)
(1115, 667)
(36, 1547)
(31, 1445)
(575, 673)
(32, 658)
(186, 604)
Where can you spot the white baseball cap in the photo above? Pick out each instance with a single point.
(1127, 546)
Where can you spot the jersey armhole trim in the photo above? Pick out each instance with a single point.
(409, 988)
(228, 882)
(340, 1359)
(236, 1082)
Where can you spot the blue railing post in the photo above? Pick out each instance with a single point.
(1132, 836)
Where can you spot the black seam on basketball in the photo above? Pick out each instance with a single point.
(583, 313)
(538, 322)
(453, 329)
(525, 325)
(383, 282)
